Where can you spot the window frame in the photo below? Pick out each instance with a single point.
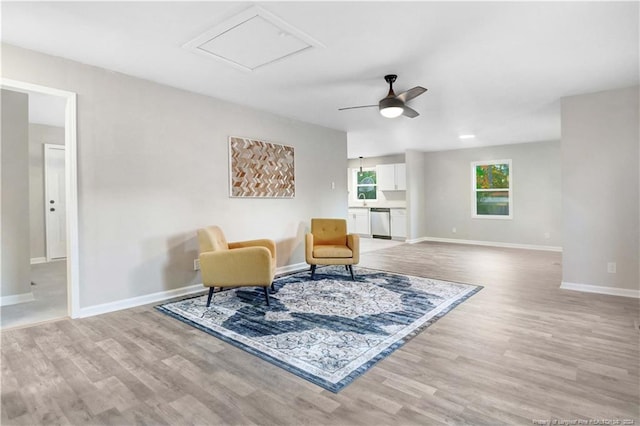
(356, 185)
(475, 190)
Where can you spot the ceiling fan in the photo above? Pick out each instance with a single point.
(394, 105)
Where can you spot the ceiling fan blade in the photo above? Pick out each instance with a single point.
(411, 93)
(361, 106)
(410, 112)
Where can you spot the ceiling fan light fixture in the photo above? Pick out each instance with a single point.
(391, 107)
(392, 112)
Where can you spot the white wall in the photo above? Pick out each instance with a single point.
(600, 163)
(153, 167)
(16, 285)
(39, 134)
(417, 196)
(537, 199)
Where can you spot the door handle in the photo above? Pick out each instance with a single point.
(52, 209)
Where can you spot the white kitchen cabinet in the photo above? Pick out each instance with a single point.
(401, 177)
(385, 177)
(391, 177)
(399, 223)
(351, 222)
(358, 221)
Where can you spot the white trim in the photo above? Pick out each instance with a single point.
(612, 291)
(37, 260)
(164, 295)
(415, 240)
(296, 267)
(71, 182)
(14, 299)
(139, 300)
(487, 243)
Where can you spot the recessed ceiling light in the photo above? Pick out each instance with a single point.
(467, 136)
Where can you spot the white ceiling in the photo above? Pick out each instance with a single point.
(494, 69)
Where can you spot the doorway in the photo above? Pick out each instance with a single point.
(62, 225)
(55, 211)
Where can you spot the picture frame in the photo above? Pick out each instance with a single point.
(260, 169)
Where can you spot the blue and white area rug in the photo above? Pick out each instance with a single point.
(329, 330)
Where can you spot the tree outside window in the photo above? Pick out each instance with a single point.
(492, 190)
(366, 184)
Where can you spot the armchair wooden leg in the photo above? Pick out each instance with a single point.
(313, 270)
(210, 296)
(273, 288)
(351, 270)
(266, 295)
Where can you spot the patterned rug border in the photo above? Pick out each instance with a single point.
(333, 387)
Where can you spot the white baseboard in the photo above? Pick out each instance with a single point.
(138, 301)
(415, 240)
(296, 267)
(14, 299)
(612, 291)
(164, 295)
(36, 260)
(486, 243)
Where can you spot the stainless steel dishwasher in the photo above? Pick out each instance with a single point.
(381, 223)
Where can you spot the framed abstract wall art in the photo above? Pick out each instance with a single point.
(260, 169)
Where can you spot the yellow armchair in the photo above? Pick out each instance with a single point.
(243, 263)
(329, 244)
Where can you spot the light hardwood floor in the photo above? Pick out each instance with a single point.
(520, 351)
(50, 292)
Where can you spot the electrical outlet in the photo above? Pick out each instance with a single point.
(547, 235)
(333, 185)
(196, 264)
(611, 267)
(454, 230)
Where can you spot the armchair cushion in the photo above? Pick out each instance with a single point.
(332, 251)
(248, 266)
(211, 238)
(329, 231)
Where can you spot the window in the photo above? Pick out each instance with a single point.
(366, 184)
(492, 191)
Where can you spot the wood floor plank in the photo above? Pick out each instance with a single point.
(519, 350)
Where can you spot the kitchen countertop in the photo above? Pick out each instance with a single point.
(376, 206)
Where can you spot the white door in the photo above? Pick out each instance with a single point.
(54, 201)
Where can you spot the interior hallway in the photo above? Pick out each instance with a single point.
(49, 286)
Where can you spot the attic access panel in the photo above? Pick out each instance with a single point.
(252, 39)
